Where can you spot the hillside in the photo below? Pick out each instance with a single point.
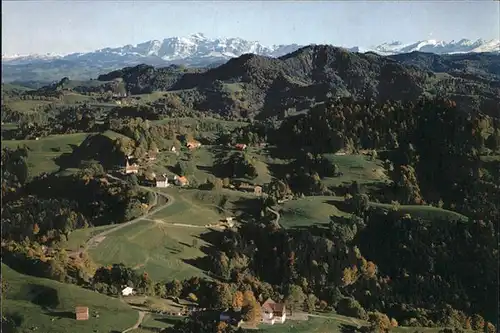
(146, 79)
(260, 86)
(49, 306)
(312, 74)
(352, 188)
(483, 67)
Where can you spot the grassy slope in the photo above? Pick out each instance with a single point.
(28, 295)
(309, 210)
(260, 164)
(355, 168)
(425, 212)
(154, 247)
(9, 126)
(44, 151)
(318, 209)
(200, 207)
(150, 98)
(74, 98)
(8, 87)
(81, 236)
(490, 158)
(159, 246)
(27, 105)
(69, 98)
(114, 135)
(317, 325)
(335, 324)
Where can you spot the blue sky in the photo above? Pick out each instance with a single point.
(71, 26)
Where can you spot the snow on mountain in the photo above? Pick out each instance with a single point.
(439, 47)
(198, 49)
(28, 58)
(197, 45)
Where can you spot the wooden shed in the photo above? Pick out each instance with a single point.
(82, 313)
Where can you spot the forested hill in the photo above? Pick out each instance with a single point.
(252, 84)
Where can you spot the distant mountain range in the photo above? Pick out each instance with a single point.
(194, 51)
(254, 85)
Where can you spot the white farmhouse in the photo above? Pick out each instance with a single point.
(162, 181)
(127, 291)
(273, 312)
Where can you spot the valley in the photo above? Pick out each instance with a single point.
(358, 192)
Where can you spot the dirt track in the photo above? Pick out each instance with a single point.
(139, 322)
(97, 239)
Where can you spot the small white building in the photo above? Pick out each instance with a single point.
(127, 291)
(162, 181)
(230, 222)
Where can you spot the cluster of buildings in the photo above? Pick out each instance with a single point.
(271, 312)
(160, 181)
(163, 181)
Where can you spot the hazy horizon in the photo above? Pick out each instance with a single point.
(62, 27)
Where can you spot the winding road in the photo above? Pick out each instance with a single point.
(350, 320)
(95, 240)
(277, 221)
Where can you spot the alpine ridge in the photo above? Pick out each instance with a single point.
(196, 50)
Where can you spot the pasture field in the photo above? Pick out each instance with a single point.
(114, 135)
(318, 209)
(201, 207)
(204, 159)
(359, 168)
(490, 158)
(9, 126)
(24, 106)
(10, 87)
(43, 152)
(263, 174)
(153, 246)
(425, 212)
(186, 211)
(164, 243)
(157, 248)
(333, 323)
(79, 237)
(224, 202)
(309, 211)
(151, 97)
(153, 322)
(85, 83)
(312, 325)
(75, 98)
(49, 306)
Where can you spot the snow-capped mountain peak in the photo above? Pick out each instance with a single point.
(439, 47)
(199, 49)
